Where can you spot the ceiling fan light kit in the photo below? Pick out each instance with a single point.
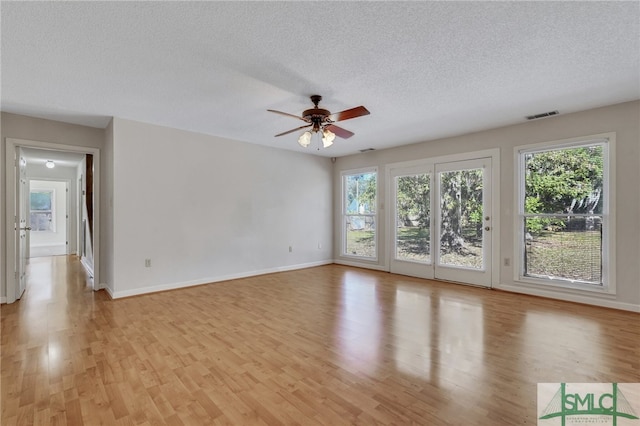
(305, 139)
(321, 120)
(327, 138)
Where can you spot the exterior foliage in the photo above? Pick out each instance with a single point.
(563, 181)
(413, 201)
(460, 202)
(461, 208)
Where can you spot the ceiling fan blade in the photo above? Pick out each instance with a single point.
(349, 113)
(294, 130)
(287, 114)
(339, 131)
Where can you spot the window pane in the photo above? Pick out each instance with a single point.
(360, 193)
(564, 247)
(40, 221)
(413, 218)
(41, 200)
(361, 236)
(565, 180)
(461, 197)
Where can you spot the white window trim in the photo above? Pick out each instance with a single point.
(608, 216)
(343, 214)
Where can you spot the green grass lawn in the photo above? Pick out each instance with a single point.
(361, 243)
(564, 254)
(561, 254)
(413, 244)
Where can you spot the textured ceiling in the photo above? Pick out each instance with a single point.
(425, 70)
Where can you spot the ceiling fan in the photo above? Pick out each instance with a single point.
(321, 120)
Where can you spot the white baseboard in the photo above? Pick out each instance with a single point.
(3, 299)
(577, 298)
(107, 289)
(361, 265)
(209, 280)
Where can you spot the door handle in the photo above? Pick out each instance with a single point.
(26, 228)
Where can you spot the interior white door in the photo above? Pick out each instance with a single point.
(22, 196)
(411, 192)
(463, 221)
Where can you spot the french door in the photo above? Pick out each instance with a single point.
(441, 221)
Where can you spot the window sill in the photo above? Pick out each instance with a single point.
(589, 289)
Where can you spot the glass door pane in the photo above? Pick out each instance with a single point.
(461, 223)
(413, 220)
(464, 222)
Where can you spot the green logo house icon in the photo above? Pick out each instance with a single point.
(578, 402)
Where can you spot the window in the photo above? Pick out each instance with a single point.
(359, 214)
(41, 210)
(563, 222)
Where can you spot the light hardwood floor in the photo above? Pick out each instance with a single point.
(328, 345)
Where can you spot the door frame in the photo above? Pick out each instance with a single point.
(10, 209)
(494, 177)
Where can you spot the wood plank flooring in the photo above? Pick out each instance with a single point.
(331, 345)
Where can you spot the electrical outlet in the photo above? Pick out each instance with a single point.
(507, 261)
(290, 249)
(147, 263)
(319, 246)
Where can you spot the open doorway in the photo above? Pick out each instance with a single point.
(72, 179)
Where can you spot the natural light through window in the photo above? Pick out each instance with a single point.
(359, 214)
(563, 200)
(41, 210)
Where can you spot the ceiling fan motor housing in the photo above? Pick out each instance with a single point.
(316, 113)
(316, 116)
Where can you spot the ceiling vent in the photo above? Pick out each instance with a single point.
(367, 149)
(543, 115)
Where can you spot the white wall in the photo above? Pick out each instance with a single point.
(623, 119)
(204, 208)
(58, 236)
